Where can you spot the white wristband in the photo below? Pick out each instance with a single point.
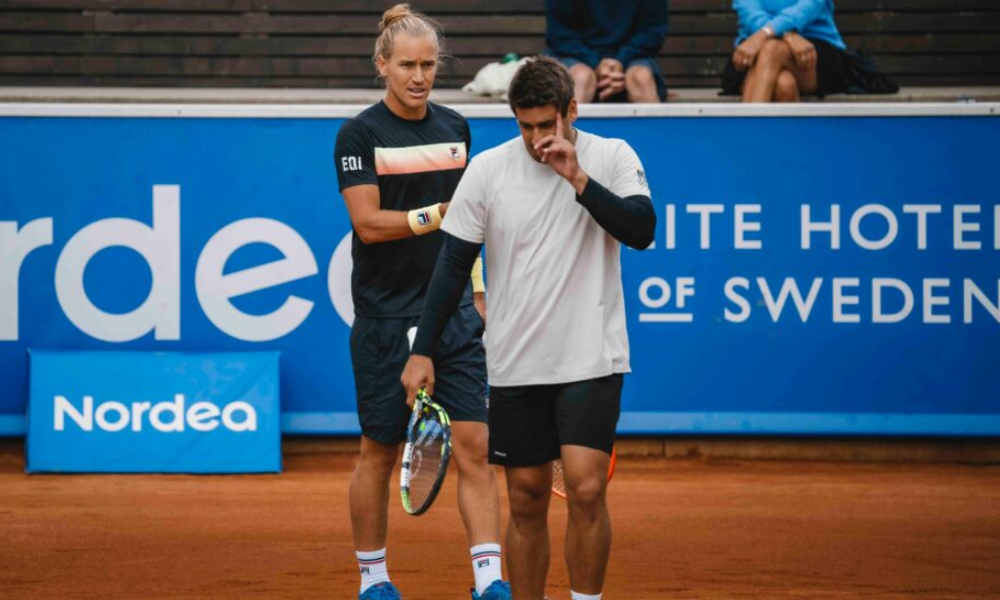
(425, 220)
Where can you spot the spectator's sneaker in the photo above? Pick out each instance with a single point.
(382, 591)
(498, 590)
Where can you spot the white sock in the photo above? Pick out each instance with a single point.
(485, 565)
(372, 565)
(578, 596)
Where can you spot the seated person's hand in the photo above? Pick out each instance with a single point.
(610, 78)
(802, 49)
(746, 52)
(608, 65)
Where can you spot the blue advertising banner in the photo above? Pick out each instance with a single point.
(817, 274)
(154, 412)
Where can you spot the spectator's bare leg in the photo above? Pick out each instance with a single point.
(786, 89)
(774, 58)
(640, 85)
(584, 82)
(748, 84)
(806, 80)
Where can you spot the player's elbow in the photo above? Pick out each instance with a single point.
(367, 234)
(643, 234)
(639, 241)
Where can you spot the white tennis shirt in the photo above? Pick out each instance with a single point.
(555, 308)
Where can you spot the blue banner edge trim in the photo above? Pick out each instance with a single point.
(688, 423)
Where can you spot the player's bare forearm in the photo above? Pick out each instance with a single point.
(579, 181)
(386, 225)
(373, 224)
(383, 226)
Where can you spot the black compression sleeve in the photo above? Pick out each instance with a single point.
(630, 220)
(451, 275)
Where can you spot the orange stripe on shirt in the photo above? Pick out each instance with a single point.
(420, 159)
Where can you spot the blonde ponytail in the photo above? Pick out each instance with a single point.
(400, 11)
(401, 19)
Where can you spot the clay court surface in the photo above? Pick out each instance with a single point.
(696, 529)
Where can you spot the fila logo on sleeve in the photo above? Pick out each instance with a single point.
(641, 178)
(424, 218)
(350, 163)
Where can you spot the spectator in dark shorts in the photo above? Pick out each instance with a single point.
(609, 47)
(785, 49)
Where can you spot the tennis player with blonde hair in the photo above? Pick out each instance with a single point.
(398, 163)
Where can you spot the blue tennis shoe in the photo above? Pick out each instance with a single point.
(498, 590)
(385, 591)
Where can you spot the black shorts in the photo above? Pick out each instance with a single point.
(379, 351)
(831, 72)
(529, 423)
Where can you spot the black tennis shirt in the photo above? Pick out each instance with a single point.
(414, 164)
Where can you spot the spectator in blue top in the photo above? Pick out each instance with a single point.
(609, 47)
(785, 49)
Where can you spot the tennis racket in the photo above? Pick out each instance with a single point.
(559, 483)
(425, 456)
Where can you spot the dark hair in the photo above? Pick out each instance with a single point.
(541, 81)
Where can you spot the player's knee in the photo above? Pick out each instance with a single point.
(586, 495)
(528, 503)
(786, 88)
(471, 450)
(378, 461)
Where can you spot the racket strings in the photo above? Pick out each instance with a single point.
(558, 480)
(428, 450)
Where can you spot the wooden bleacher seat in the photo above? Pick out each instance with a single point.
(328, 44)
